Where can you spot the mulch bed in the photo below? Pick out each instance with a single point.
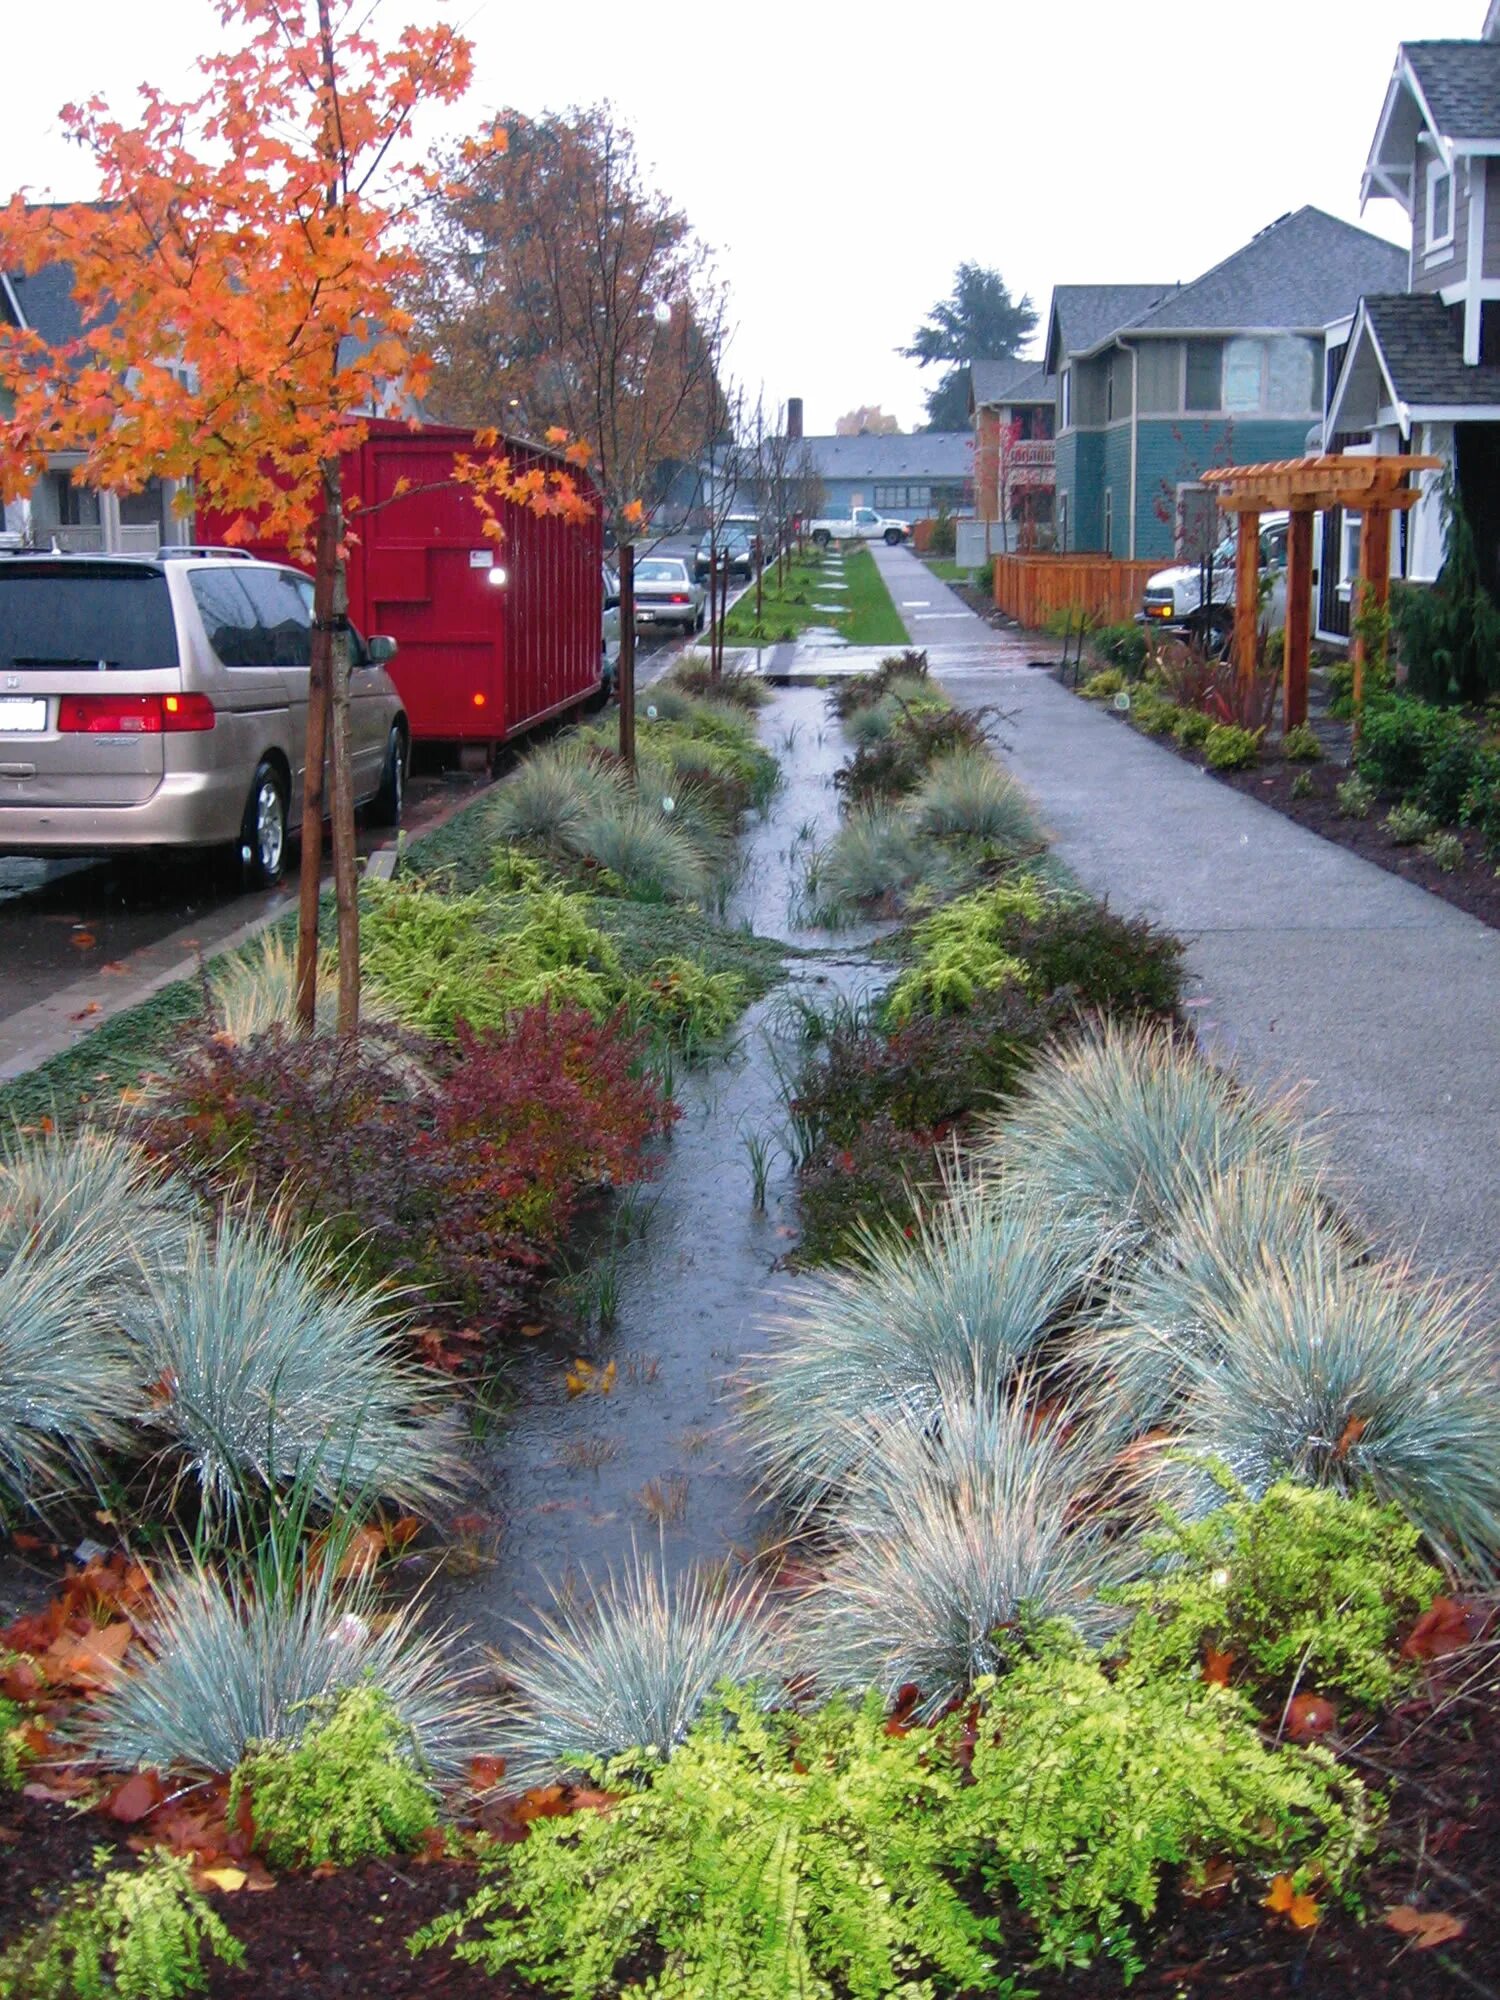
(343, 1934)
(1474, 886)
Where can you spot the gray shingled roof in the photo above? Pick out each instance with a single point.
(921, 455)
(46, 300)
(1423, 344)
(1086, 314)
(1302, 271)
(1461, 83)
(1015, 381)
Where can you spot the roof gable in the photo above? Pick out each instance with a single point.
(1014, 381)
(1082, 316)
(1448, 90)
(1406, 351)
(1301, 272)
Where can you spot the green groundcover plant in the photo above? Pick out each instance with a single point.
(1306, 1587)
(837, 1853)
(349, 1788)
(135, 1933)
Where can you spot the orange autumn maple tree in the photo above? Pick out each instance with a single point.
(239, 283)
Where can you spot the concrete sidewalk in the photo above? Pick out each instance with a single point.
(1308, 964)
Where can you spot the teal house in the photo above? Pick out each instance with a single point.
(1158, 383)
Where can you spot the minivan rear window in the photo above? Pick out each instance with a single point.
(50, 619)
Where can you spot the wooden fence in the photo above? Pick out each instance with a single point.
(1034, 588)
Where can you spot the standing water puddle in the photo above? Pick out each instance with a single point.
(572, 1477)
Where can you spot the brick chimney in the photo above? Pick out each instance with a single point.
(794, 419)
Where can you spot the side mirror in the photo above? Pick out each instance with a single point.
(611, 603)
(380, 650)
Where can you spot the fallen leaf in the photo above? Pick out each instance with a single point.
(28, 1543)
(485, 1773)
(531, 1329)
(366, 1547)
(114, 965)
(1425, 1928)
(1350, 1436)
(1282, 1892)
(84, 1012)
(1216, 1666)
(89, 1660)
(1309, 1716)
(1210, 1882)
(138, 1796)
(227, 1879)
(83, 940)
(1446, 1626)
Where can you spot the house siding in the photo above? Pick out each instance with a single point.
(1066, 484)
(1492, 219)
(1452, 268)
(1175, 453)
(1114, 472)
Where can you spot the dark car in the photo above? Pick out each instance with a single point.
(736, 553)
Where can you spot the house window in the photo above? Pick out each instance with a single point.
(1067, 399)
(1062, 521)
(1205, 362)
(1197, 522)
(890, 496)
(1439, 206)
(918, 496)
(1160, 384)
(1244, 374)
(61, 504)
(1109, 520)
(1109, 390)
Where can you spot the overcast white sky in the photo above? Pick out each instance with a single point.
(843, 159)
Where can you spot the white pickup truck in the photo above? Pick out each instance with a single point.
(860, 524)
(1174, 597)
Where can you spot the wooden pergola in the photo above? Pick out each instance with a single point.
(1373, 488)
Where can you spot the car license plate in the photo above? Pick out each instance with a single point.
(645, 616)
(23, 716)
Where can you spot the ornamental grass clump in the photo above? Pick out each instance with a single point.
(269, 1364)
(1171, 1301)
(242, 1657)
(255, 990)
(1118, 1128)
(967, 796)
(1355, 1377)
(630, 1668)
(550, 791)
(968, 1521)
(69, 1382)
(97, 1188)
(969, 1296)
(636, 843)
(874, 861)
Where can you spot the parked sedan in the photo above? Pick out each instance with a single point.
(735, 550)
(665, 594)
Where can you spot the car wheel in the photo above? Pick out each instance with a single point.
(262, 846)
(1214, 633)
(386, 806)
(894, 538)
(822, 537)
(701, 620)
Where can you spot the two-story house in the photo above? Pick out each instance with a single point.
(1013, 410)
(1419, 367)
(58, 513)
(1158, 383)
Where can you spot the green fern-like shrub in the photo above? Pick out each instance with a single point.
(137, 1933)
(1305, 1586)
(12, 1747)
(1407, 824)
(1227, 747)
(349, 1788)
(1356, 798)
(771, 1856)
(1088, 1789)
(1300, 745)
(1191, 726)
(1104, 685)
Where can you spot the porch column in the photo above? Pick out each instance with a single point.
(1247, 597)
(1298, 634)
(1373, 590)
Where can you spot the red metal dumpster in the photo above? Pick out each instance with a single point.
(479, 661)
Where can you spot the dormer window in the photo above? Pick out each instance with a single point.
(1439, 206)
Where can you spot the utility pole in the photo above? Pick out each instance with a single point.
(627, 654)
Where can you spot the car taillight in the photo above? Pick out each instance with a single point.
(133, 714)
(680, 597)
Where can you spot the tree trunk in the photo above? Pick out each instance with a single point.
(345, 860)
(318, 682)
(626, 669)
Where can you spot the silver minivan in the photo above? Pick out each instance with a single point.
(162, 703)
